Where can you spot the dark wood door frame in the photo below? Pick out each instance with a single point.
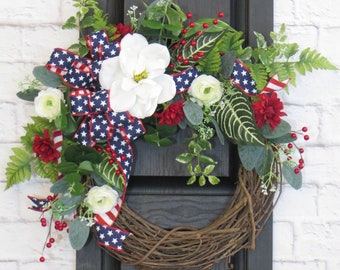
(247, 16)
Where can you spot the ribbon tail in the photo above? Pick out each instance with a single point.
(111, 237)
(275, 85)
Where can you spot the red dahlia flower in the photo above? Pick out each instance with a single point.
(44, 148)
(172, 115)
(268, 109)
(122, 30)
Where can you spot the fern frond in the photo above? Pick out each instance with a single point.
(311, 59)
(259, 74)
(212, 63)
(46, 169)
(18, 169)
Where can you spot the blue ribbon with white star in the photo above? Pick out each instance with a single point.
(78, 72)
(241, 77)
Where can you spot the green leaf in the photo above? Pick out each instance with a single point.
(191, 180)
(18, 169)
(108, 173)
(236, 120)
(214, 180)
(208, 169)
(87, 22)
(79, 233)
(197, 169)
(206, 159)
(295, 180)
(74, 183)
(201, 180)
(28, 95)
(67, 167)
(80, 153)
(193, 113)
(282, 129)
(61, 120)
(70, 202)
(228, 60)
(250, 155)
(61, 186)
(71, 23)
(184, 158)
(42, 74)
(86, 167)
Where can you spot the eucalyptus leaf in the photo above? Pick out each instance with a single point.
(79, 233)
(228, 60)
(249, 155)
(70, 201)
(42, 74)
(193, 113)
(86, 167)
(67, 167)
(61, 186)
(294, 179)
(282, 129)
(28, 95)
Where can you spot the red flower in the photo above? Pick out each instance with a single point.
(122, 30)
(44, 149)
(172, 115)
(268, 110)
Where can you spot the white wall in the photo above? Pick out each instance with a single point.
(306, 222)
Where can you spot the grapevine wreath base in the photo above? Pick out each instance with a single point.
(152, 247)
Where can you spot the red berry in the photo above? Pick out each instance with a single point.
(52, 240)
(196, 57)
(48, 245)
(176, 46)
(185, 61)
(192, 25)
(172, 66)
(290, 145)
(200, 54)
(189, 15)
(118, 172)
(296, 170)
(301, 150)
(193, 43)
(215, 21)
(180, 58)
(220, 14)
(293, 135)
(205, 25)
(108, 149)
(301, 166)
(64, 225)
(301, 160)
(183, 42)
(43, 224)
(111, 161)
(42, 259)
(184, 31)
(198, 33)
(306, 137)
(304, 129)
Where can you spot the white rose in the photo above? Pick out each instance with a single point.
(101, 199)
(206, 90)
(48, 102)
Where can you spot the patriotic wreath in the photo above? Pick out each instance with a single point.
(162, 73)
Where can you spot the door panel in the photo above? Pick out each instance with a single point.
(157, 189)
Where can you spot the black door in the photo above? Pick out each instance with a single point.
(157, 189)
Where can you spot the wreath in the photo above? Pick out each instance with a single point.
(161, 73)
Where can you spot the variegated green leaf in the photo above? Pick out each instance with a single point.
(109, 174)
(237, 121)
(204, 44)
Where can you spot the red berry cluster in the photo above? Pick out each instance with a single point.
(193, 42)
(301, 163)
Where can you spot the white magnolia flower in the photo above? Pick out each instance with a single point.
(101, 199)
(47, 103)
(136, 78)
(206, 90)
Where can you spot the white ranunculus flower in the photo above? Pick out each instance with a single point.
(206, 90)
(48, 103)
(101, 199)
(136, 78)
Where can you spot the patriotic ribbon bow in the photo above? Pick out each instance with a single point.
(79, 72)
(100, 123)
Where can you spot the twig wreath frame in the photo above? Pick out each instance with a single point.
(162, 73)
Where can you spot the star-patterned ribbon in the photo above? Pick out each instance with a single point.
(100, 123)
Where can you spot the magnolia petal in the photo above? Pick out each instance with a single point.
(168, 87)
(129, 62)
(154, 58)
(109, 71)
(135, 41)
(121, 100)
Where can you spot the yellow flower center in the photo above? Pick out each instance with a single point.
(140, 76)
